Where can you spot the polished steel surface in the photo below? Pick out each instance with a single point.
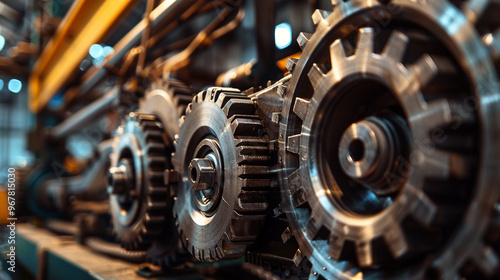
(327, 210)
(219, 221)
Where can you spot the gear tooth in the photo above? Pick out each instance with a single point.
(299, 197)
(153, 135)
(424, 70)
(313, 226)
(286, 235)
(141, 117)
(337, 52)
(245, 127)
(189, 107)
(300, 107)
(424, 209)
(224, 97)
(193, 252)
(156, 148)
(282, 90)
(212, 255)
(319, 17)
(303, 39)
(336, 242)
(204, 256)
(157, 161)
(239, 106)
(248, 202)
(396, 46)
(293, 143)
(152, 219)
(294, 180)
(486, 259)
(437, 165)
(395, 240)
(253, 159)
(364, 45)
(298, 257)
(155, 205)
(219, 252)
(290, 64)
(364, 253)
(440, 113)
(181, 120)
(316, 76)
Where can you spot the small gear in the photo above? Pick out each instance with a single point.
(138, 195)
(223, 160)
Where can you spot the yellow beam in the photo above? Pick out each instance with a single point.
(87, 22)
(4, 213)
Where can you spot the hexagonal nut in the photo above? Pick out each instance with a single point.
(202, 173)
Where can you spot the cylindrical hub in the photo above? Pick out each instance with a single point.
(120, 178)
(202, 173)
(368, 151)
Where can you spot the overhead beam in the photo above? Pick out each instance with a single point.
(88, 22)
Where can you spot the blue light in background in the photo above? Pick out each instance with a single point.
(1, 84)
(15, 85)
(2, 42)
(107, 50)
(96, 51)
(283, 35)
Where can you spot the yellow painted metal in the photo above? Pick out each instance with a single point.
(86, 23)
(3, 206)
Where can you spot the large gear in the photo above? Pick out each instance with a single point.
(376, 171)
(223, 160)
(138, 195)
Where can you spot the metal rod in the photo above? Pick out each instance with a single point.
(167, 12)
(83, 116)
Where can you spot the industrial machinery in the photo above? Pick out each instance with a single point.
(367, 149)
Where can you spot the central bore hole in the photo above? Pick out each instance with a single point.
(356, 150)
(194, 174)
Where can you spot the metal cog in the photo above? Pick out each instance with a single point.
(138, 195)
(368, 190)
(167, 100)
(223, 159)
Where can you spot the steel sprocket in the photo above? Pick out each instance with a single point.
(138, 195)
(326, 218)
(167, 100)
(223, 163)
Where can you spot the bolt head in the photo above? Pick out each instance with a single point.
(202, 173)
